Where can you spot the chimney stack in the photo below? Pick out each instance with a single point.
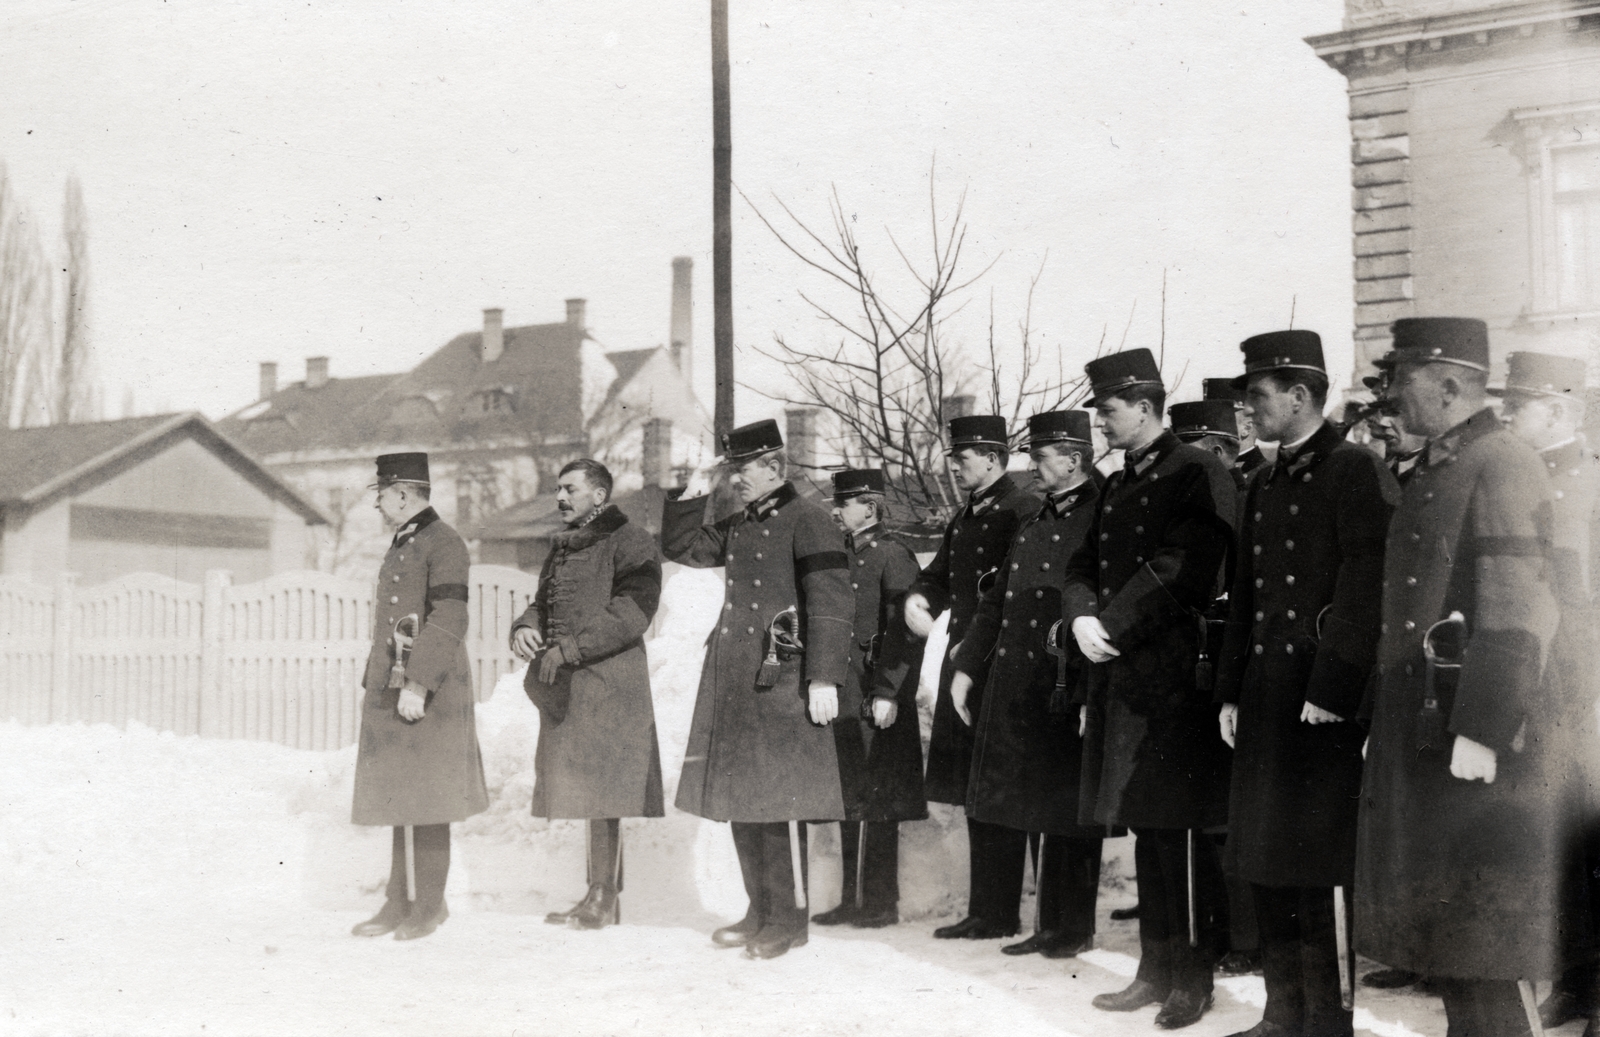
(575, 314)
(656, 461)
(269, 380)
(800, 437)
(682, 338)
(494, 335)
(316, 372)
(959, 406)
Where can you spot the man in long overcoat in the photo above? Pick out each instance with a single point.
(1027, 757)
(969, 559)
(1301, 638)
(418, 766)
(1134, 598)
(760, 753)
(583, 637)
(876, 735)
(1456, 862)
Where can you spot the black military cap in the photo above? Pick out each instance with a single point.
(1281, 351)
(852, 482)
(1109, 374)
(752, 440)
(393, 468)
(1205, 418)
(1059, 426)
(1220, 389)
(1438, 340)
(977, 430)
(1543, 374)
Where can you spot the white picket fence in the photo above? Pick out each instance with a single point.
(280, 660)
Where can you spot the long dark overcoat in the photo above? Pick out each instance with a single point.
(1026, 761)
(1303, 627)
(753, 753)
(597, 754)
(975, 544)
(1459, 878)
(429, 772)
(1152, 757)
(880, 771)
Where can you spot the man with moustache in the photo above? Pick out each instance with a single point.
(1027, 757)
(1151, 759)
(1301, 637)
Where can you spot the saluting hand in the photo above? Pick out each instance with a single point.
(823, 702)
(1093, 640)
(549, 663)
(1228, 721)
(1472, 761)
(884, 712)
(413, 702)
(526, 642)
(960, 687)
(699, 483)
(919, 618)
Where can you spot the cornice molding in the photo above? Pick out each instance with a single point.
(1376, 47)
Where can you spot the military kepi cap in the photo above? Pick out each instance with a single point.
(1059, 426)
(977, 430)
(1438, 340)
(1119, 371)
(853, 482)
(1281, 351)
(752, 440)
(1543, 374)
(1205, 418)
(1220, 389)
(393, 468)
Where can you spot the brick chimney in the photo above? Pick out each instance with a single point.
(800, 435)
(316, 372)
(575, 313)
(269, 380)
(682, 316)
(959, 406)
(656, 461)
(494, 335)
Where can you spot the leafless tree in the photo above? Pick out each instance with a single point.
(24, 308)
(73, 396)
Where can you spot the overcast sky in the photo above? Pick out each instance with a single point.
(273, 180)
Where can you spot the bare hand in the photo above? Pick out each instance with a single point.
(549, 663)
(823, 702)
(1093, 640)
(526, 642)
(1472, 761)
(884, 712)
(953, 650)
(1364, 742)
(413, 702)
(699, 482)
(1228, 722)
(1083, 720)
(960, 687)
(1317, 715)
(919, 619)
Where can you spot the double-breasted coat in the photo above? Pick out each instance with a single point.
(1303, 627)
(1454, 878)
(428, 772)
(1027, 759)
(597, 754)
(753, 753)
(974, 546)
(880, 770)
(1148, 569)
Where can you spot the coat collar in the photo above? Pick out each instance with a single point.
(987, 498)
(608, 521)
(865, 535)
(1160, 447)
(1065, 502)
(1320, 445)
(418, 522)
(1447, 446)
(762, 507)
(1250, 460)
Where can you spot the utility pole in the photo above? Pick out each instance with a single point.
(721, 220)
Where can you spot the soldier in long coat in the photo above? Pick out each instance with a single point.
(1456, 856)
(1302, 635)
(876, 736)
(583, 636)
(1134, 599)
(760, 753)
(1027, 756)
(418, 766)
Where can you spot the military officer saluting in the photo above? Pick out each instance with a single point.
(1301, 637)
(969, 559)
(876, 735)
(759, 752)
(1027, 757)
(418, 767)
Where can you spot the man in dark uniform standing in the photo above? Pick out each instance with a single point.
(1301, 638)
(876, 735)
(418, 767)
(759, 752)
(968, 561)
(1151, 759)
(1250, 456)
(1027, 757)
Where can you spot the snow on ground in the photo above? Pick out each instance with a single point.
(162, 885)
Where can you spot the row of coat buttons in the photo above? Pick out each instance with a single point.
(1037, 594)
(1287, 649)
(1042, 565)
(1262, 615)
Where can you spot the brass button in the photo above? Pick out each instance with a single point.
(395, 600)
(1294, 509)
(1033, 623)
(986, 526)
(1104, 564)
(1013, 566)
(758, 556)
(754, 605)
(1259, 649)
(1258, 516)
(749, 630)
(1256, 549)
(756, 583)
(1105, 536)
(1022, 540)
(1290, 614)
(1289, 579)
(1008, 593)
(1410, 670)
(1004, 623)
(1415, 537)
(863, 561)
(730, 581)
(1044, 566)
(1038, 594)
(980, 550)
(1138, 529)
(1383, 628)
(397, 578)
(724, 630)
(1410, 626)
(1144, 500)
(855, 586)
(1000, 651)
(1289, 649)
(1289, 544)
(1105, 592)
(403, 557)
(766, 532)
(1054, 537)
(1411, 581)
(1260, 616)
(1258, 581)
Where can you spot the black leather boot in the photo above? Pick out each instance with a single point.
(601, 906)
(388, 918)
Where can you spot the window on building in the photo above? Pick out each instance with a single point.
(494, 401)
(1560, 151)
(1575, 204)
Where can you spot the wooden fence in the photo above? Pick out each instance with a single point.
(280, 660)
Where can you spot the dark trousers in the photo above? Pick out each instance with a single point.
(1243, 934)
(996, 855)
(604, 867)
(432, 846)
(1482, 1008)
(1069, 884)
(1300, 960)
(880, 878)
(1161, 866)
(764, 862)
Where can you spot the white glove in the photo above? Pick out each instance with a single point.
(960, 687)
(823, 702)
(1093, 640)
(919, 620)
(1472, 761)
(1228, 721)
